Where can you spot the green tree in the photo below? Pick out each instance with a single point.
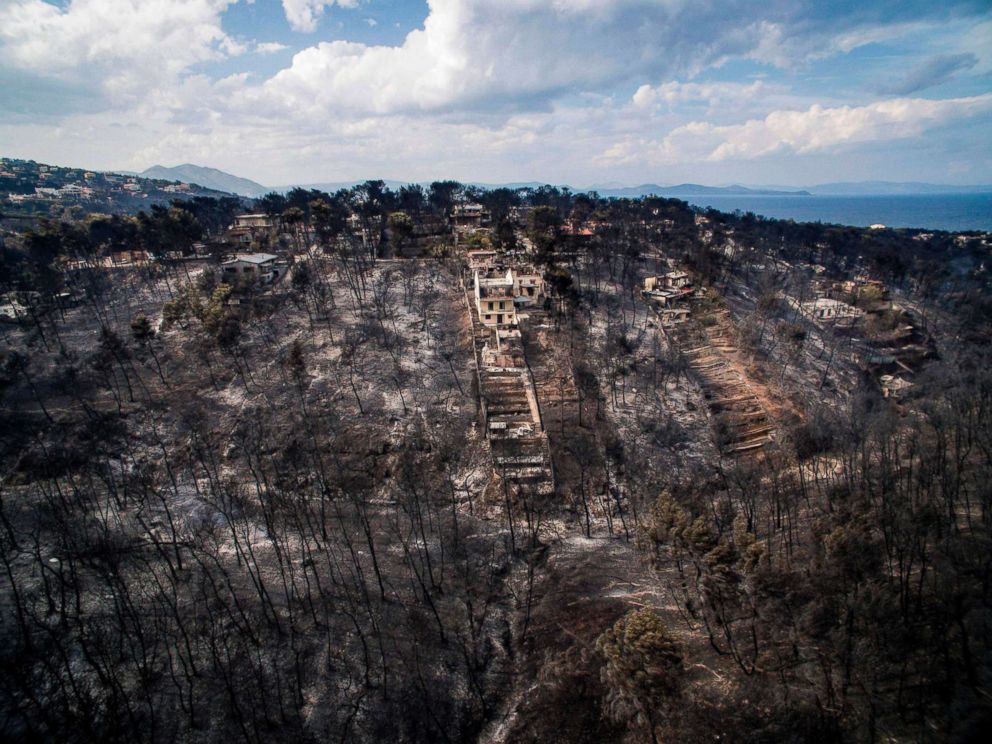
(643, 672)
(400, 230)
(441, 196)
(141, 328)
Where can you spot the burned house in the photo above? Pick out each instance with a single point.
(248, 228)
(494, 297)
(829, 310)
(468, 217)
(500, 292)
(480, 258)
(511, 413)
(666, 293)
(674, 285)
(528, 286)
(263, 267)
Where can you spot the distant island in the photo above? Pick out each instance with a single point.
(695, 189)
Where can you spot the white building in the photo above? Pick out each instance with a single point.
(72, 190)
(827, 309)
(500, 292)
(671, 280)
(262, 266)
(528, 286)
(259, 220)
(494, 297)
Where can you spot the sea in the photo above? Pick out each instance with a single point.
(952, 212)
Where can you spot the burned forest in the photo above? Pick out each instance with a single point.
(448, 464)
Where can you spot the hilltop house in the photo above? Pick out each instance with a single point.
(528, 286)
(469, 217)
(480, 258)
(253, 265)
(255, 220)
(247, 227)
(672, 280)
(500, 292)
(666, 292)
(494, 297)
(829, 310)
(667, 288)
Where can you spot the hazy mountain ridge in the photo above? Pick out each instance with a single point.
(220, 180)
(210, 178)
(695, 189)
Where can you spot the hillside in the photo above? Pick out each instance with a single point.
(542, 468)
(28, 188)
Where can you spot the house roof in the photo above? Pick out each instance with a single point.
(825, 302)
(255, 258)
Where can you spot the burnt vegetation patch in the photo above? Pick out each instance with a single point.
(447, 464)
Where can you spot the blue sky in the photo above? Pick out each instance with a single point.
(565, 91)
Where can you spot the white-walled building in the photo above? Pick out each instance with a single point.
(253, 265)
(500, 292)
(827, 309)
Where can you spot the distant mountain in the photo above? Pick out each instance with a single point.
(513, 185)
(212, 178)
(209, 178)
(890, 188)
(694, 189)
(847, 188)
(606, 186)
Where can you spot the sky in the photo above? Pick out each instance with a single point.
(583, 92)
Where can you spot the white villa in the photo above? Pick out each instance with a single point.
(260, 265)
(499, 293)
(827, 309)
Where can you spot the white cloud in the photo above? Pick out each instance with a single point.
(126, 45)
(511, 53)
(783, 45)
(303, 15)
(799, 132)
(269, 47)
(713, 94)
(485, 90)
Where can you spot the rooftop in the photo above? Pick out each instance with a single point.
(255, 258)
